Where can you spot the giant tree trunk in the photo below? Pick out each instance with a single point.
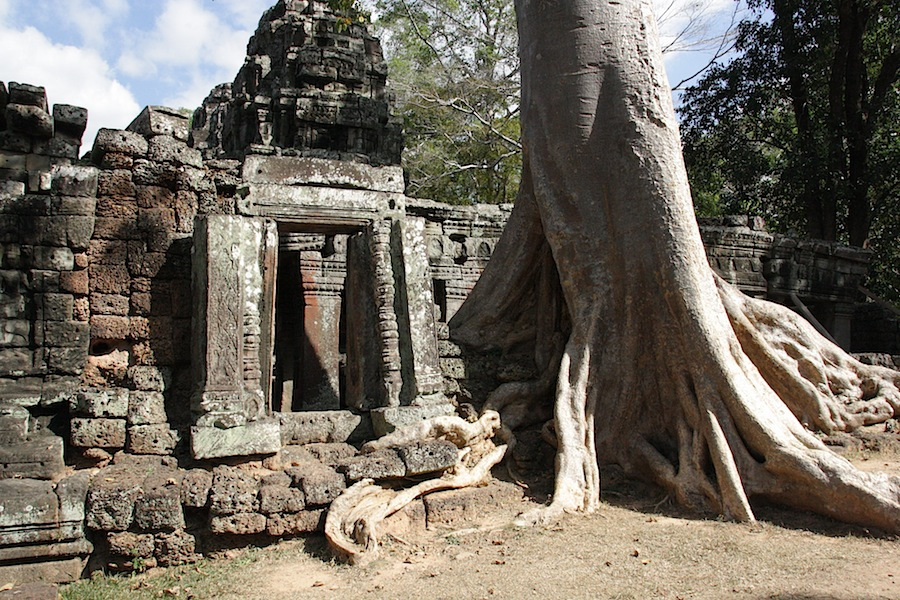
(665, 369)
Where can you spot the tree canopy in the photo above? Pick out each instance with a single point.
(803, 125)
(455, 68)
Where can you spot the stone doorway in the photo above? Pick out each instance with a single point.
(310, 323)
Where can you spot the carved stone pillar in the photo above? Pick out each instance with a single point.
(321, 375)
(420, 308)
(391, 380)
(231, 332)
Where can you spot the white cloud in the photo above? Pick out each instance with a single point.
(93, 19)
(246, 13)
(71, 75)
(184, 35)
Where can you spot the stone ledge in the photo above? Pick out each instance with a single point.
(258, 437)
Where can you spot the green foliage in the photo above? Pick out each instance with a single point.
(803, 125)
(454, 66)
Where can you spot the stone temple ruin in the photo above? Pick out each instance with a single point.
(203, 320)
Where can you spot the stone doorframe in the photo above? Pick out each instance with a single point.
(234, 265)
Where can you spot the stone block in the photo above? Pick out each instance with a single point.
(258, 437)
(122, 142)
(16, 361)
(9, 188)
(100, 403)
(107, 327)
(132, 545)
(29, 95)
(111, 498)
(70, 120)
(13, 424)
(329, 426)
(28, 120)
(195, 486)
(159, 507)
(79, 231)
(109, 304)
(320, 484)
(238, 524)
(152, 439)
(276, 499)
(146, 408)
(307, 521)
(28, 508)
(161, 120)
(383, 464)
(60, 147)
(112, 228)
(68, 334)
(116, 160)
(57, 307)
(107, 252)
(233, 491)
(153, 196)
(428, 456)
(175, 548)
(146, 172)
(15, 333)
(452, 507)
(116, 183)
(53, 258)
(51, 230)
(386, 420)
(67, 361)
(72, 493)
(117, 207)
(166, 149)
(329, 454)
(75, 180)
(98, 433)
(38, 458)
(54, 570)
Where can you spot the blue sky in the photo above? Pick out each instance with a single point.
(116, 56)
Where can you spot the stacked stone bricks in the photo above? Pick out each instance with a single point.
(137, 300)
(46, 222)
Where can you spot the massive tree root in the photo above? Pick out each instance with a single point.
(666, 370)
(352, 523)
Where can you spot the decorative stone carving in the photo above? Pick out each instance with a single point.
(230, 281)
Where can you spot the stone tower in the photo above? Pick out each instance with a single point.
(311, 85)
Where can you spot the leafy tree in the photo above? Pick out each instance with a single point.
(802, 126)
(455, 68)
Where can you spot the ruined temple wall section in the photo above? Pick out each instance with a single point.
(46, 220)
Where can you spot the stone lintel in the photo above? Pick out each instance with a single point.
(322, 208)
(258, 437)
(290, 170)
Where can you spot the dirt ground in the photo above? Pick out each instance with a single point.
(637, 546)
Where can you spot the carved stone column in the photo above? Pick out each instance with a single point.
(322, 289)
(231, 288)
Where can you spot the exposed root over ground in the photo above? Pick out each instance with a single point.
(351, 526)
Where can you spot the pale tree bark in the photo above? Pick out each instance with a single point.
(659, 366)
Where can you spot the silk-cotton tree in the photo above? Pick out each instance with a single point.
(647, 359)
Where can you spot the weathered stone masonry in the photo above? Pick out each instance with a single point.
(215, 317)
